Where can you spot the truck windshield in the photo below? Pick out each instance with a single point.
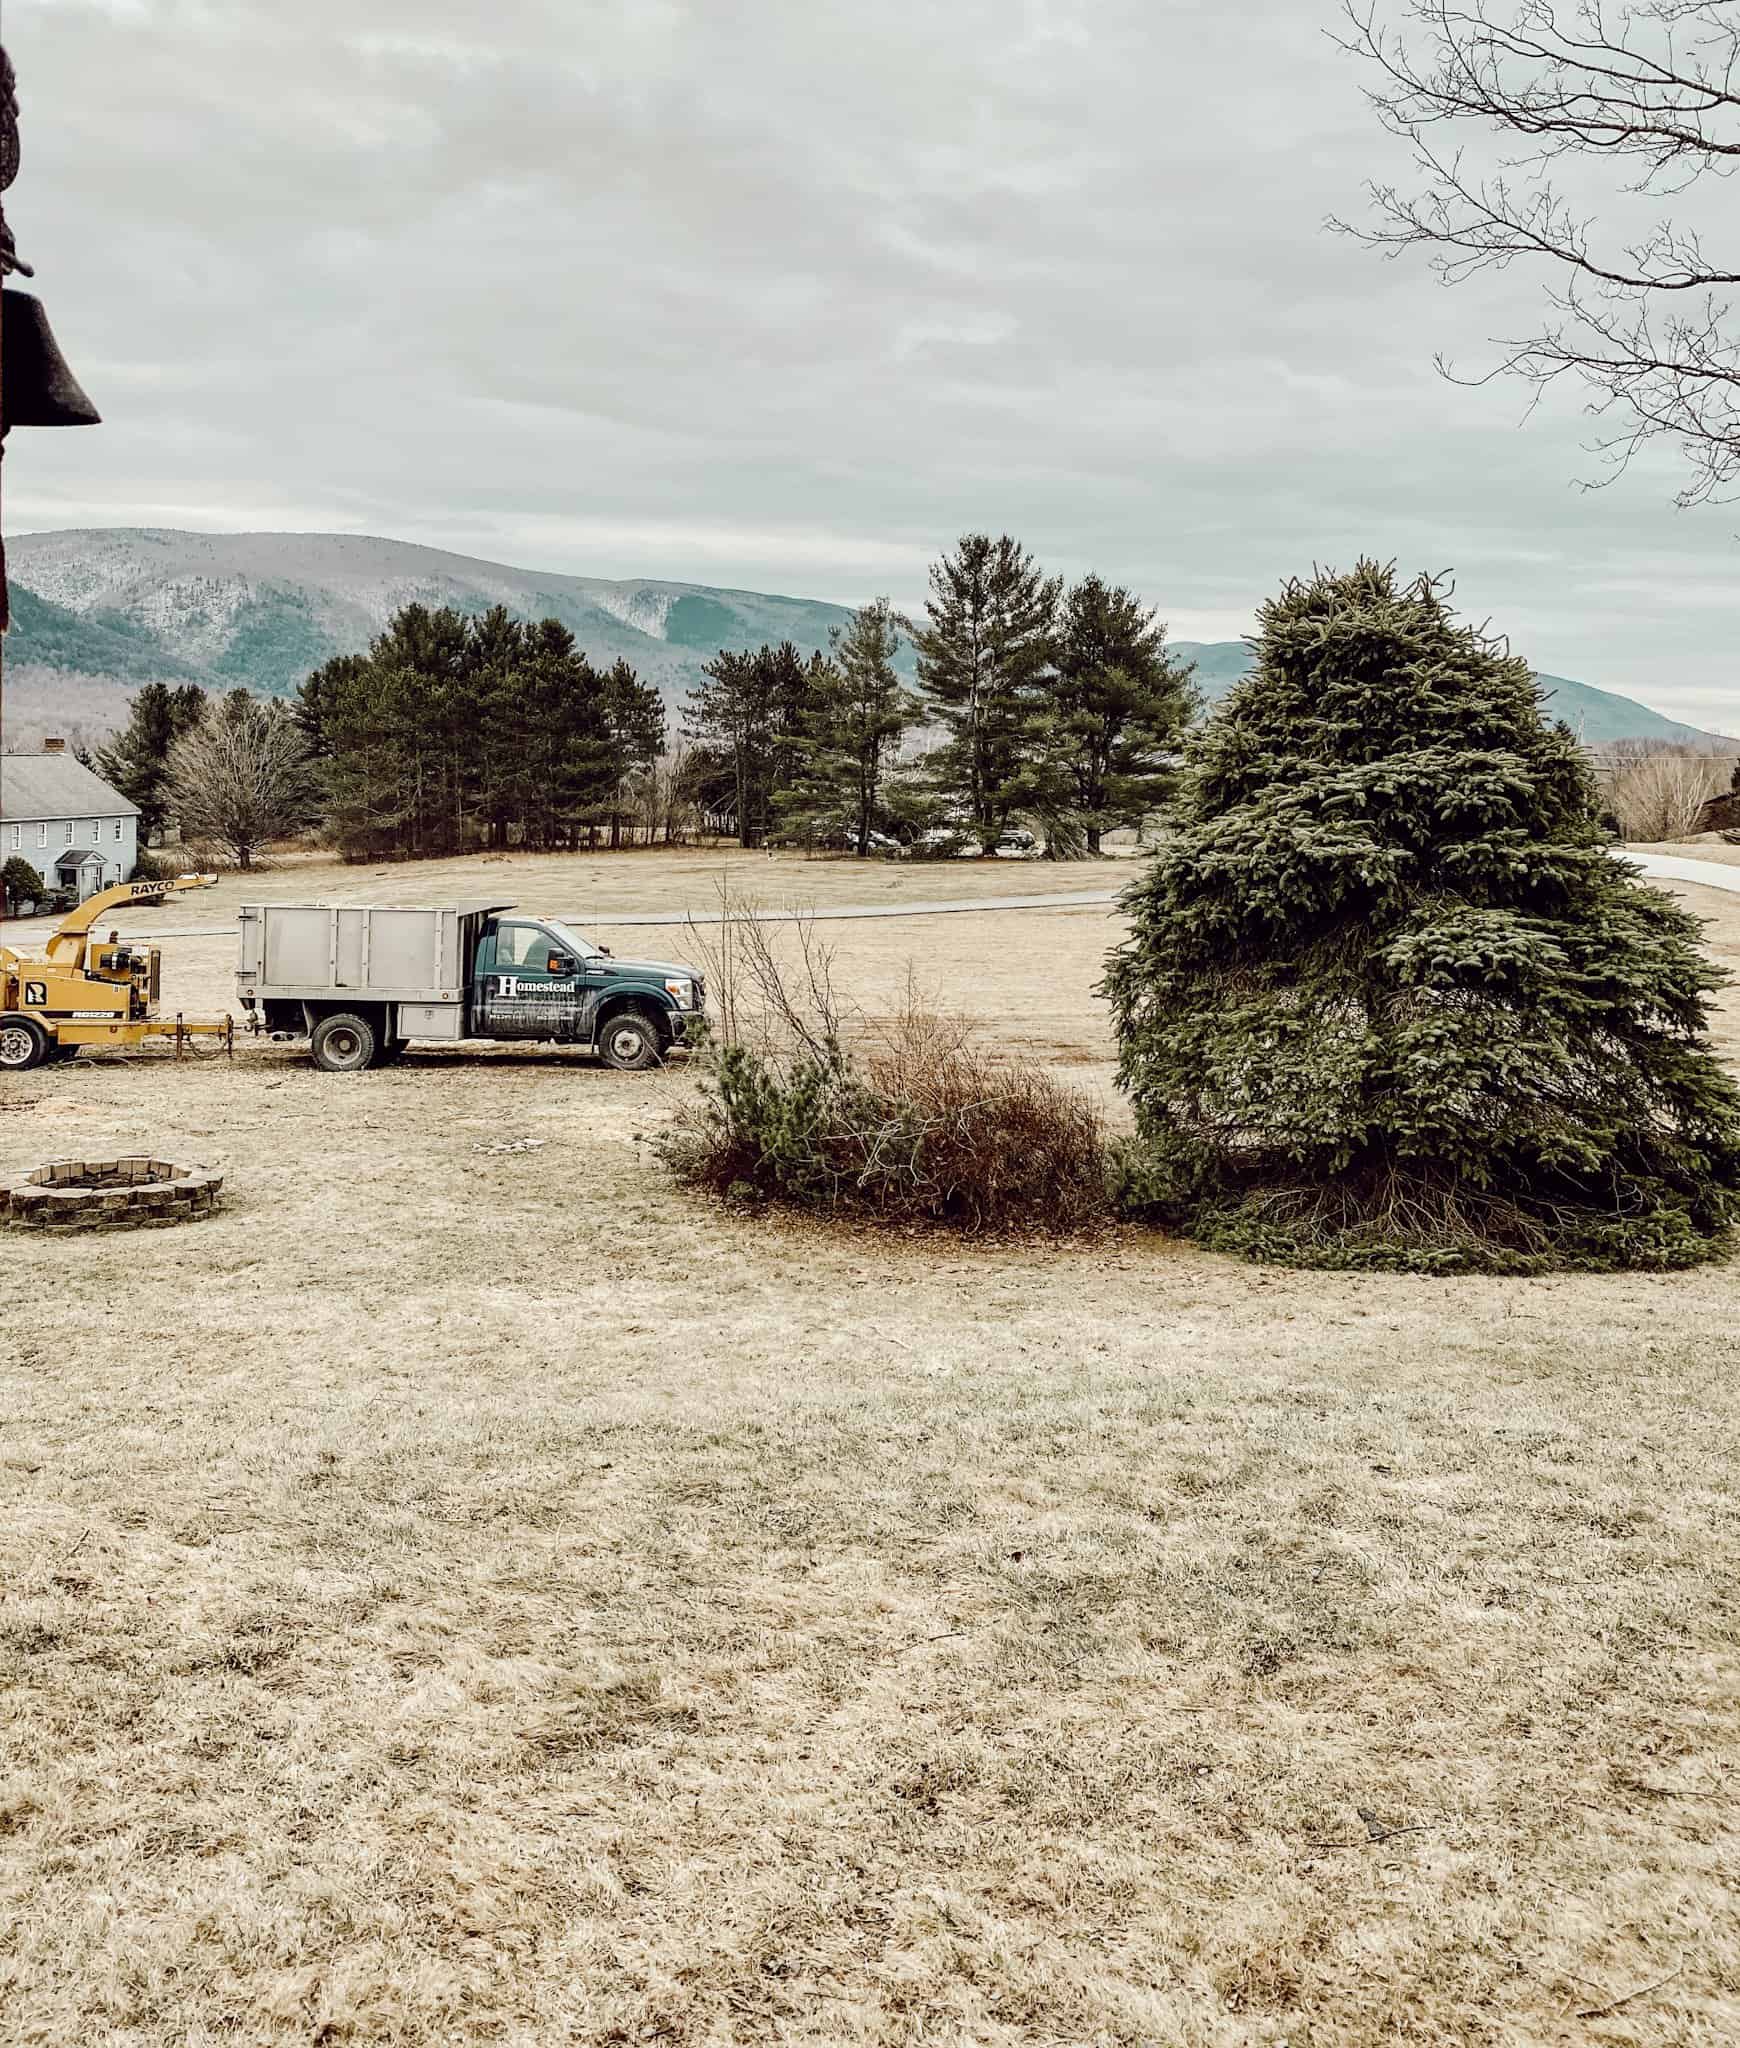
(565, 935)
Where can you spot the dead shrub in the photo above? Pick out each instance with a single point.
(1657, 795)
(901, 1119)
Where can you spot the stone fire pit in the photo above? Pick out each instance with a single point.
(127, 1193)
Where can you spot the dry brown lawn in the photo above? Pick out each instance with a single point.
(464, 1595)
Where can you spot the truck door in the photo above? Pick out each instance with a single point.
(528, 985)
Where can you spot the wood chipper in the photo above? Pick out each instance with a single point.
(82, 991)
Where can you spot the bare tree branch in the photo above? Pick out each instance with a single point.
(240, 777)
(1654, 86)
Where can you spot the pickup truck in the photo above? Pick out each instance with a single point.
(360, 983)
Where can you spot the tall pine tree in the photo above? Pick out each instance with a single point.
(1387, 999)
(634, 715)
(747, 720)
(855, 716)
(984, 663)
(1119, 707)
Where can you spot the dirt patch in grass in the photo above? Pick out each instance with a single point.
(461, 1595)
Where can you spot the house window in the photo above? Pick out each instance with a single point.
(42, 835)
(118, 832)
(17, 837)
(71, 828)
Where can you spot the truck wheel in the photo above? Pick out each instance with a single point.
(343, 1044)
(630, 1042)
(23, 1045)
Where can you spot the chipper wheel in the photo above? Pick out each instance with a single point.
(343, 1044)
(630, 1042)
(23, 1045)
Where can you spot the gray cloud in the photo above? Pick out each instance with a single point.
(787, 293)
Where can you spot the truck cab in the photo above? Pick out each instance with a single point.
(538, 978)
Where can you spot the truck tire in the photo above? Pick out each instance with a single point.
(23, 1045)
(343, 1044)
(630, 1041)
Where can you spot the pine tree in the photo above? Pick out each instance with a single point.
(984, 663)
(496, 653)
(747, 720)
(634, 714)
(1387, 999)
(137, 761)
(852, 726)
(1119, 708)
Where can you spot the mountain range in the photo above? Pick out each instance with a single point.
(96, 612)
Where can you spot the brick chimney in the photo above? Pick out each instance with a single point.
(54, 746)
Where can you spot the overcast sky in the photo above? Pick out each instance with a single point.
(785, 294)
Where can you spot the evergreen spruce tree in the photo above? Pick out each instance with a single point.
(1119, 707)
(1388, 1000)
(984, 663)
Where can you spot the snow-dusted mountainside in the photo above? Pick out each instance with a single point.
(97, 612)
(265, 608)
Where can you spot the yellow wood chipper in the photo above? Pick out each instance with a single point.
(82, 991)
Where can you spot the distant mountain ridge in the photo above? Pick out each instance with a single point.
(1597, 717)
(98, 611)
(263, 609)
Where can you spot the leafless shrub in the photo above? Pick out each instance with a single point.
(1659, 795)
(661, 802)
(905, 1118)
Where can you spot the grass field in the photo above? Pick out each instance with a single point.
(469, 1594)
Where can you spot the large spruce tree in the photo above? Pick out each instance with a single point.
(1388, 1000)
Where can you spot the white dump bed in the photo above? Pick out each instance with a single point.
(387, 955)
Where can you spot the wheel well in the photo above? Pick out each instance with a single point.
(648, 1006)
(372, 1014)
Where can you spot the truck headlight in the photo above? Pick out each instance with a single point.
(682, 993)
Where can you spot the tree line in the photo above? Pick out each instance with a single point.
(450, 731)
(454, 731)
(1060, 706)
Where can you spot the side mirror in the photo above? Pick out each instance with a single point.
(561, 963)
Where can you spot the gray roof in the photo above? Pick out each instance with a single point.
(76, 856)
(57, 786)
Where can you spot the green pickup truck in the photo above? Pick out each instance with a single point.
(362, 982)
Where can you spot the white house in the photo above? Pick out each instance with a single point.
(66, 821)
